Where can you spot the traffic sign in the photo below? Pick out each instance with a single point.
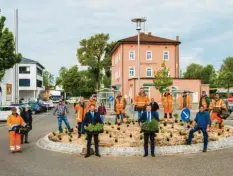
(185, 114)
(110, 98)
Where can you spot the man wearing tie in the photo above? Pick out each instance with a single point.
(92, 117)
(148, 116)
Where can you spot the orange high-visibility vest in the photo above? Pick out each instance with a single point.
(120, 104)
(167, 103)
(15, 120)
(188, 102)
(217, 104)
(89, 103)
(80, 113)
(141, 101)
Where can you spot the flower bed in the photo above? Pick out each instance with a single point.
(130, 135)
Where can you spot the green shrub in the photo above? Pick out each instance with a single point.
(152, 126)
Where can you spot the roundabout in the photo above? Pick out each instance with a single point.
(127, 140)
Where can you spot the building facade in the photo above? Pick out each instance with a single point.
(153, 52)
(30, 79)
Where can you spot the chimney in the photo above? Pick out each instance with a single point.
(177, 38)
(149, 33)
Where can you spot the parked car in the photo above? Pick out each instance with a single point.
(35, 107)
(5, 111)
(72, 100)
(50, 104)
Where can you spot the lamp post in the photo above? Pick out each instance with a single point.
(138, 22)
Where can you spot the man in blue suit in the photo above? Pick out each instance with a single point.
(92, 117)
(148, 116)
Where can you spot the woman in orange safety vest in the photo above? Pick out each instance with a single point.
(80, 114)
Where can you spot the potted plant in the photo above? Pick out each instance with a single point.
(176, 117)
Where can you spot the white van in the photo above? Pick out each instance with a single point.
(5, 111)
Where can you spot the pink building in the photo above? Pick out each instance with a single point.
(153, 51)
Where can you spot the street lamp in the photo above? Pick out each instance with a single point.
(138, 22)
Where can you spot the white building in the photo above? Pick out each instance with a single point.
(7, 87)
(30, 79)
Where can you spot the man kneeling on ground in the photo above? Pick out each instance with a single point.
(203, 122)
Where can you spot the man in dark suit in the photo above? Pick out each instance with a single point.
(148, 116)
(92, 117)
(26, 114)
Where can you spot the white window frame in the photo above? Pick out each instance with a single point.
(168, 73)
(133, 54)
(164, 55)
(147, 70)
(149, 51)
(133, 70)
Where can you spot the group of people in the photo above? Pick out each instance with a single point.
(88, 113)
(85, 114)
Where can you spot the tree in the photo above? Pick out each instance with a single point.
(95, 53)
(193, 71)
(8, 58)
(48, 79)
(208, 74)
(225, 77)
(76, 82)
(162, 79)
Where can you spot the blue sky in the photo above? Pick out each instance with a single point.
(50, 30)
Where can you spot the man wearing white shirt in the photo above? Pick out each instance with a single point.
(148, 116)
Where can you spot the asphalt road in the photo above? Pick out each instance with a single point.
(34, 161)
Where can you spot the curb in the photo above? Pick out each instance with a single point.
(46, 144)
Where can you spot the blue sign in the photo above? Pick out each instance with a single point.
(110, 98)
(185, 114)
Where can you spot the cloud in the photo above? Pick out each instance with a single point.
(50, 32)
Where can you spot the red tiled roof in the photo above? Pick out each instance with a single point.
(145, 39)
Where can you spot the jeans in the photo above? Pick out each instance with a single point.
(140, 114)
(96, 140)
(121, 116)
(152, 142)
(60, 119)
(205, 134)
(80, 127)
(102, 118)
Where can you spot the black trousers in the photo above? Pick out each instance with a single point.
(170, 115)
(96, 140)
(24, 136)
(152, 142)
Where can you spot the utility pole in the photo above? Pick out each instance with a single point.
(16, 52)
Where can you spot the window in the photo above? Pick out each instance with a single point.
(131, 55)
(39, 71)
(131, 72)
(24, 82)
(167, 74)
(148, 55)
(166, 55)
(149, 72)
(39, 83)
(24, 70)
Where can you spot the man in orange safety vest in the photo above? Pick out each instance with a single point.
(167, 101)
(119, 107)
(15, 122)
